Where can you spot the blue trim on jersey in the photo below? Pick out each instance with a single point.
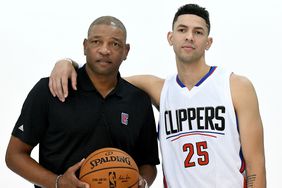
(158, 131)
(212, 69)
(243, 165)
(179, 82)
(237, 123)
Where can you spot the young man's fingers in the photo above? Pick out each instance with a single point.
(50, 84)
(64, 86)
(59, 89)
(73, 80)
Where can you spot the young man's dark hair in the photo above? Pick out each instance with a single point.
(193, 9)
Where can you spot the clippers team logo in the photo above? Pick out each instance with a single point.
(124, 118)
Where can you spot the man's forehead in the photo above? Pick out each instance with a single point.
(110, 25)
(106, 31)
(106, 28)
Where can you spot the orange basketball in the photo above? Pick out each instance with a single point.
(109, 168)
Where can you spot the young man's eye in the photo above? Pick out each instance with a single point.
(199, 33)
(181, 30)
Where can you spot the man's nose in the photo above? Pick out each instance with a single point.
(189, 36)
(104, 49)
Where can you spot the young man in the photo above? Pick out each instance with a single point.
(210, 129)
(99, 115)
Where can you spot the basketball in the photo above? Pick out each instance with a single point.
(109, 168)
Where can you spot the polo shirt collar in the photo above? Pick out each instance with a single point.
(84, 82)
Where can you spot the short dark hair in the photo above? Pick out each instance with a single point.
(193, 9)
(108, 20)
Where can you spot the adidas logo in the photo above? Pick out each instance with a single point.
(21, 127)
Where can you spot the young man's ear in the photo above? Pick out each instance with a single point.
(169, 38)
(209, 43)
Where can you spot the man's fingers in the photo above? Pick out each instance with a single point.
(80, 184)
(73, 80)
(58, 81)
(76, 166)
(51, 87)
(59, 89)
(83, 185)
(64, 85)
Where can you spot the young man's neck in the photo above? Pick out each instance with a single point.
(191, 73)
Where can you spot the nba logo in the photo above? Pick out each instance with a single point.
(112, 180)
(124, 118)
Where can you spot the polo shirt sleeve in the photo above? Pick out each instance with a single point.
(148, 143)
(33, 120)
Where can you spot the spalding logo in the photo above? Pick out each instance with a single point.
(108, 158)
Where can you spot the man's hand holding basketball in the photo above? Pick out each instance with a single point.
(69, 179)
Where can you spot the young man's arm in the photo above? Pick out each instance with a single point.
(65, 69)
(18, 159)
(251, 130)
(152, 85)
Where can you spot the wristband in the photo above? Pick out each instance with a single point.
(57, 180)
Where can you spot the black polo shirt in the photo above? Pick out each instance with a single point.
(67, 132)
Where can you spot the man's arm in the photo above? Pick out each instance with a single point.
(65, 69)
(18, 160)
(251, 130)
(149, 173)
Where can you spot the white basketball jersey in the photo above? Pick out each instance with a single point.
(199, 135)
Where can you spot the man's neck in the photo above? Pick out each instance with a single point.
(104, 84)
(191, 73)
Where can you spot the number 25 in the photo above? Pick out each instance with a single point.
(203, 156)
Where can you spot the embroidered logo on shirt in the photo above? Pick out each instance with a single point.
(21, 128)
(124, 118)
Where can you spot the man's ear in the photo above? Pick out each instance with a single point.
(127, 48)
(85, 46)
(209, 43)
(170, 37)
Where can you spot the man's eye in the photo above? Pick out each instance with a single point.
(116, 44)
(94, 41)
